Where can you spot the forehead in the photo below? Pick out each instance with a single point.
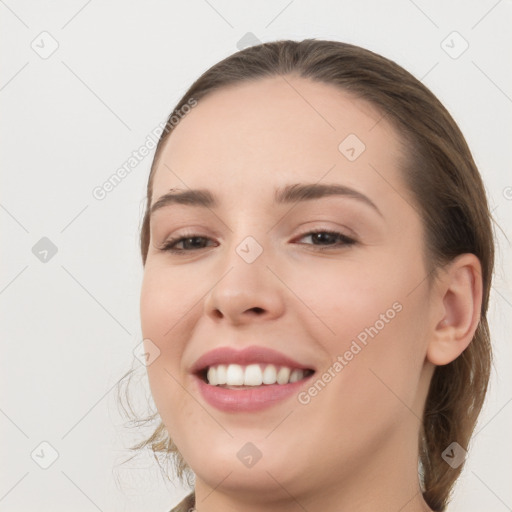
(276, 130)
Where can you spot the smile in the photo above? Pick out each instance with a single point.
(236, 376)
(248, 380)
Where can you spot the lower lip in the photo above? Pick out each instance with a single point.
(248, 400)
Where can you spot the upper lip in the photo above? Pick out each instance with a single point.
(245, 356)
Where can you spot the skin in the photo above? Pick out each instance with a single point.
(354, 445)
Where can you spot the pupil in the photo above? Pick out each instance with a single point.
(324, 237)
(194, 241)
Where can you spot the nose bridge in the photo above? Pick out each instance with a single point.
(245, 285)
(248, 243)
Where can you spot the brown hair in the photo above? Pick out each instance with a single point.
(449, 195)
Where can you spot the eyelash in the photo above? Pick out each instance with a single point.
(169, 245)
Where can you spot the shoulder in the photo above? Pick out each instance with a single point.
(186, 505)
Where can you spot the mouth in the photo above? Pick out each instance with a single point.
(236, 376)
(248, 380)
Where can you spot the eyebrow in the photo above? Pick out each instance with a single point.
(294, 193)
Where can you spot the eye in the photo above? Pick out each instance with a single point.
(324, 239)
(328, 239)
(189, 243)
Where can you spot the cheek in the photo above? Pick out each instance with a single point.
(372, 386)
(370, 319)
(342, 298)
(166, 299)
(164, 312)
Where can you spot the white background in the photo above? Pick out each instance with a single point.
(68, 326)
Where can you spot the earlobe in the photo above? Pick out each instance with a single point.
(460, 296)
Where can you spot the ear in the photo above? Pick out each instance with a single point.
(459, 296)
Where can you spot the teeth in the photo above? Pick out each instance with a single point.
(283, 375)
(252, 375)
(212, 376)
(270, 374)
(222, 374)
(296, 375)
(235, 375)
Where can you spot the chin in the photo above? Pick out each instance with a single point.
(249, 467)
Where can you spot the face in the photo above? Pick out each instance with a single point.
(295, 282)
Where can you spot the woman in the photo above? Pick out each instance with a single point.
(318, 254)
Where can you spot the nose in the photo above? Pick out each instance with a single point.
(245, 292)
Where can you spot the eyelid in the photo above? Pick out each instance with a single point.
(346, 239)
(179, 237)
(342, 230)
(186, 231)
(343, 240)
